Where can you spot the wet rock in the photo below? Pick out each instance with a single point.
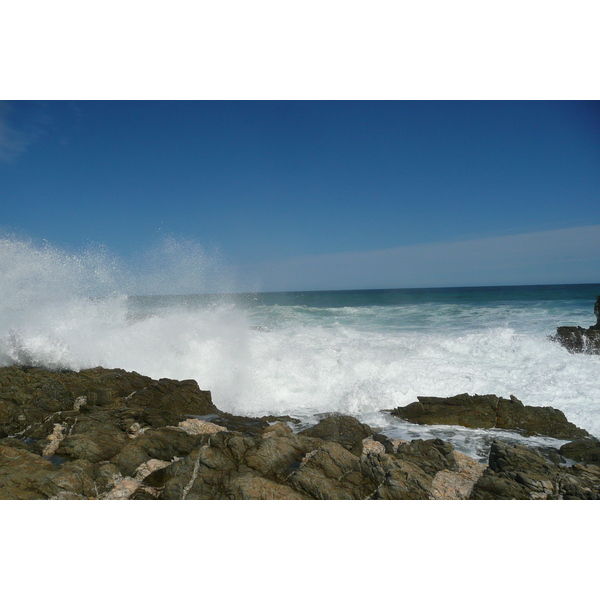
(345, 430)
(518, 472)
(536, 420)
(584, 451)
(489, 411)
(165, 401)
(465, 410)
(109, 434)
(431, 455)
(579, 339)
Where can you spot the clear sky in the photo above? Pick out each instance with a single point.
(315, 194)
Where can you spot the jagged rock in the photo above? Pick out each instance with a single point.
(522, 473)
(165, 401)
(75, 477)
(92, 440)
(106, 477)
(23, 474)
(579, 339)
(110, 434)
(464, 410)
(345, 430)
(536, 420)
(489, 411)
(431, 455)
(457, 485)
(164, 444)
(30, 395)
(584, 451)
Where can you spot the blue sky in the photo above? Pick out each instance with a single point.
(315, 195)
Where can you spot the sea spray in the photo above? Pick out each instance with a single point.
(302, 354)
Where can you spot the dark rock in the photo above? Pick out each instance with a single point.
(164, 444)
(23, 474)
(486, 412)
(464, 410)
(247, 425)
(522, 473)
(106, 476)
(331, 472)
(73, 478)
(345, 430)
(431, 455)
(170, 399)
(584, 451)
(110, 434)
(578, 339)
(94, 444)
(597, 313)
(536, 420)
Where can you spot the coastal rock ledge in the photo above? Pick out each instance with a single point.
(579, 339)
(111, 434)
(489, 412)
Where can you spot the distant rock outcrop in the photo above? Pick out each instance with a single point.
(489, 411)
(579, 339)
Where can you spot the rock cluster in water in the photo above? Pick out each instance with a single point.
(579, 339)
(112, 434)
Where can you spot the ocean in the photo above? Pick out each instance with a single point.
(355, 352)
(305, 354)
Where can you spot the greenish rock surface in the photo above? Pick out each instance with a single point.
(488, 412)
(110, 434)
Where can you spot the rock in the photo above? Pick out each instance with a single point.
(106, 476)
(75, 478)
(164, 444)
(578, 339)
(431, 455)
(457, 485)
(165, 401)
(597, 313)
(347, 431)
(536, 420)
(464, 410)
(487, 412)
(584, 451)
(199, 427)
(109, 434)
(23, 474)
(92, 440)
(518, 472)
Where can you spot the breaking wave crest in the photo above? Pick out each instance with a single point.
(60, 310)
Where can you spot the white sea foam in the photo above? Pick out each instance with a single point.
(290, 359)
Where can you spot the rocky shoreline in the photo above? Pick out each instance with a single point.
(111, 434)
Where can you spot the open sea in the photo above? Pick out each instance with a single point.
(357, 352)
